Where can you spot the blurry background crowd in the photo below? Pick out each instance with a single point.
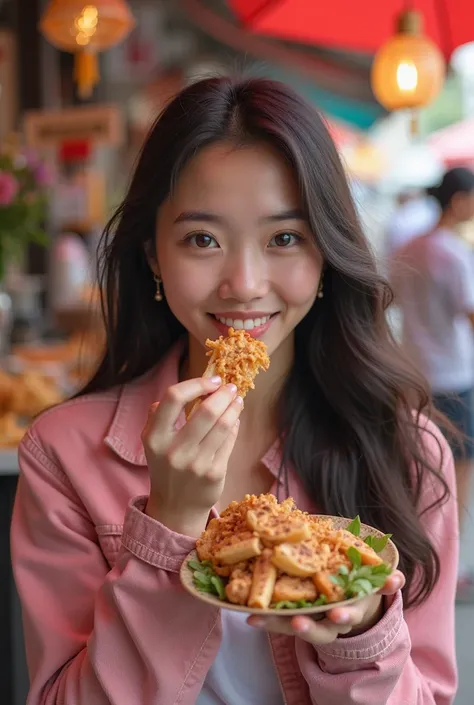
(80, 85)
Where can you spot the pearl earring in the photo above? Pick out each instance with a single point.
(159, 293)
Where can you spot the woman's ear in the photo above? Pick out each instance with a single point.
(150, 255)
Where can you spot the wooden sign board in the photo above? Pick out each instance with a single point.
(98, 124)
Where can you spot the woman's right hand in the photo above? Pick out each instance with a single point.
(188, 467)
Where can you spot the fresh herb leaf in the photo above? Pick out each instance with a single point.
(378, 580)
(194, 565)
(322, 600)
(364, 571)
(218, 584)
(202, 578)
(206, 580)
(344, 570)
(301, 604)
(354, 526)
(381, 568)
(355, 557)
(362, 586)
(377, 543)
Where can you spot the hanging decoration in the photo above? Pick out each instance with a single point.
(85, 29)
(408, 71)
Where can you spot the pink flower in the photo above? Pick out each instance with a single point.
(8, 188)
(43, 175)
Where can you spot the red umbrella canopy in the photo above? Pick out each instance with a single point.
(357, 25)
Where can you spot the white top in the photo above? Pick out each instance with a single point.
(415, 217)
(243, 672)
(70, 271)
(433, 278)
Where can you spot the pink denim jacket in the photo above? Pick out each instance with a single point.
(106, 620)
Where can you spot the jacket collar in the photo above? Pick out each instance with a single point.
(134, 401)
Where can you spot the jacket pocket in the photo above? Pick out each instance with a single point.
(110, 540)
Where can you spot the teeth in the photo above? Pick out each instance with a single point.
(239, 324)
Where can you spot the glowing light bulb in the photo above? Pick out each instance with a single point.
(407, 76)
(85, 24)
(408, 70)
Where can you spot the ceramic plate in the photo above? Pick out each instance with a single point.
(389, 555)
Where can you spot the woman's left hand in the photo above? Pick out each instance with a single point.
(354, 619)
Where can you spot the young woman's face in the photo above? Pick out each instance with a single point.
(233, 246)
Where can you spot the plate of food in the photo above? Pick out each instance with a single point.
(261, 556)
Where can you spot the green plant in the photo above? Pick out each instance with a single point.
(23, 199)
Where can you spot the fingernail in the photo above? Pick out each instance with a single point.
(397, 582)
(257, 622)
(232, 388)
(239, 400)
(343, 618)
(216, 380)
(301, 628)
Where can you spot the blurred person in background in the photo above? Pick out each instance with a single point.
(433, 279)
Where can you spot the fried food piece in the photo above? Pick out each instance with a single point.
(325, 586)
(237, 360)
(278, 528)
(6, 391)
(292, 589)
(237, 589)
(239, 551)
(263, 581)
(11, 431)
(368, 555)
(33, 392)
(300, 560)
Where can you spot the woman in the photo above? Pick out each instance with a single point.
(434, 285)
(238, 211)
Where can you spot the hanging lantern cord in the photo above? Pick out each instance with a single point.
(86, 72)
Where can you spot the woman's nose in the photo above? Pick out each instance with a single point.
(245, 278)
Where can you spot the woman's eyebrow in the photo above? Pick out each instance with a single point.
(199, 216)
(291, 214)
(207, 217)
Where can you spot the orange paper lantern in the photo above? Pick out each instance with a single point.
(84, 29)
(408, 71)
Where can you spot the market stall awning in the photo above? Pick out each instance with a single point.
(454, 145)
(358, 25)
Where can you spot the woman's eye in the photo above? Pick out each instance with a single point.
(203, 241)
(285, 240)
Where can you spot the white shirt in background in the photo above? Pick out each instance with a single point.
(415, 217)
(243, 672)
(433, 279)
(70, 271)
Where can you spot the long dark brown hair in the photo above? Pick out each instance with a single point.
(351, 410)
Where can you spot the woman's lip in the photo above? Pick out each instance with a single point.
(241, 316)
(256, 332)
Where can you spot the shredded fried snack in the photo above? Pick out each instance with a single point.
(273, 553)
(237, 360)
